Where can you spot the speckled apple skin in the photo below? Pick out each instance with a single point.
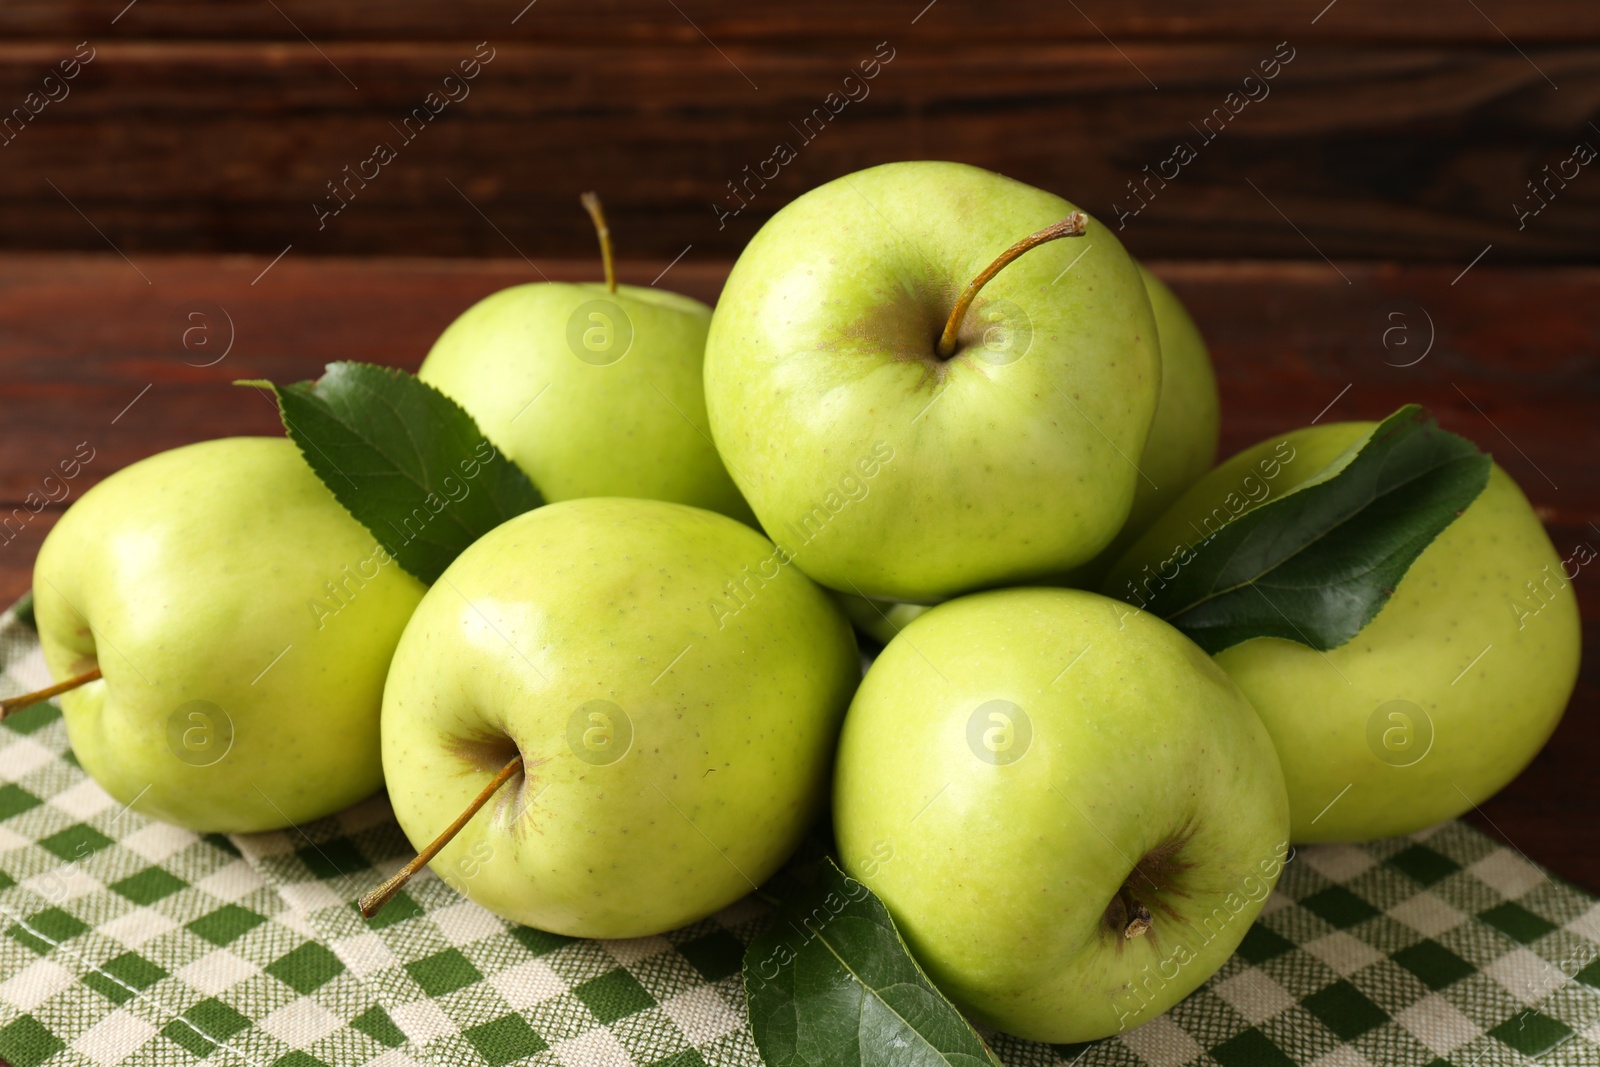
(1489, 659)
(732, 714)
(887, 471)
(193, 575)
(999, 875)
(632, 427)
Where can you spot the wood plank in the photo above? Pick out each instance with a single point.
(1508, 358)
(1358, 152)
(728, 22)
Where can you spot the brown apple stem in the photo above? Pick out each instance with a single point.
(1074, 225)
(591, 204)
(374, 901)
(1138, 916)
(17, 703)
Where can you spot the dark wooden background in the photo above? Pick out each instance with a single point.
(1399, 130)
(1361, 214)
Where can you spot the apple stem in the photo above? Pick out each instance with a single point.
(1131, 913)
(1074, 225)
(17, 703)
(591, 204)
(374, 901)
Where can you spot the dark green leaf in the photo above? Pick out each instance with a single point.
(832, 985)
(1317, 564)
(23, 610)
(405, 460)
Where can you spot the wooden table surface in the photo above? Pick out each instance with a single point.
(127, 359)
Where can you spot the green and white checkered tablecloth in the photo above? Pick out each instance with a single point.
(127, 941)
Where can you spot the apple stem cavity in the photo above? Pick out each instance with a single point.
(1074, 225)
(1128, 915)
(17, 703)
(374, 901)
(591, 204)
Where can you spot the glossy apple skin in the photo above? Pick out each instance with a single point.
(197, 575)
(608, 422)
(1182, 446)
(1475, 722)
(1183, 438)
(893, 474)
(732, 715)
(1000, 874)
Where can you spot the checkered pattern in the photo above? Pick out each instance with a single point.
(127, 941)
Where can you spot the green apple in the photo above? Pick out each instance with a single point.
(593, 390)
(888, 468)
(1442, 698)
(242, 623)
(1183, 439)
(1070, 811)
(672, 687)
(878, 619)
(1182, 446)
